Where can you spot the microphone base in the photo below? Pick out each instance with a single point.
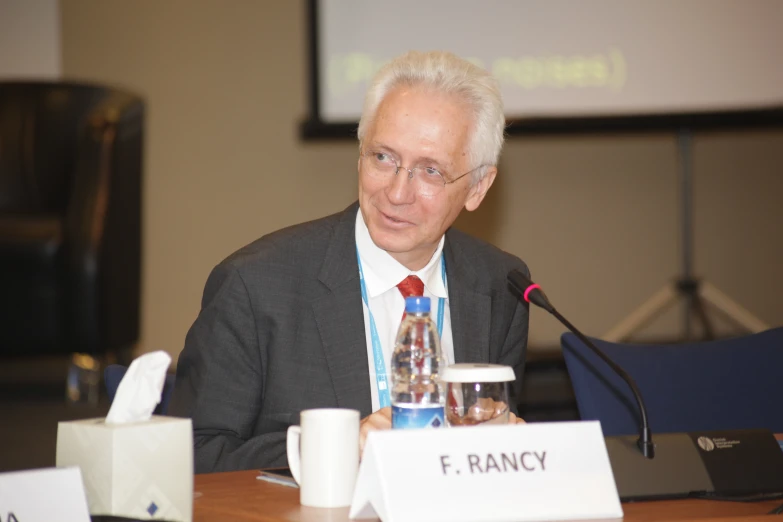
(729, 463)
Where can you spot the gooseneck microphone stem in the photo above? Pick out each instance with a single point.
(645, 442)
(532, 293)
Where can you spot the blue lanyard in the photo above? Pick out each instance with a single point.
(384, 397)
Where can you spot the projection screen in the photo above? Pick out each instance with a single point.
(563, 60)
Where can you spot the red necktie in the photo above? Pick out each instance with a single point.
(411, 286)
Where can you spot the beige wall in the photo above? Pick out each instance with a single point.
(29, 39)
(595, 217)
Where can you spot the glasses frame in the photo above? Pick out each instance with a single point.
(368, 153)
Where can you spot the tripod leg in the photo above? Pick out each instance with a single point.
(694, 306)
(688, 309)
(642, 315)
(701, 313)
(731, 309)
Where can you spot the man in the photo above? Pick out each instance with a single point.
(286, 321)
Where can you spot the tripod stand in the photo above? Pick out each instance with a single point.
(694, 291)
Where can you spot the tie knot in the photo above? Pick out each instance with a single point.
(411, 286)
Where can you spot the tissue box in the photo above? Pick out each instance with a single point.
(138, 470)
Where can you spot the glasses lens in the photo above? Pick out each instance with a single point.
(429, 182)
(380, 164)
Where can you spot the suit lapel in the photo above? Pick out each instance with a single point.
(470, 309)
(340, 318)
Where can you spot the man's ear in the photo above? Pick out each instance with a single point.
(479, 190)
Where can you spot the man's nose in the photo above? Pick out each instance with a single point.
(402, 186)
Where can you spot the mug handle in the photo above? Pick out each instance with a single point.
(292, 449)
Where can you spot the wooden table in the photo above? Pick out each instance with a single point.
(239, 496)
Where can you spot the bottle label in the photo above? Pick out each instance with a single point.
(409, 416)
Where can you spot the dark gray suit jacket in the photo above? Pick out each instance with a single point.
(281, 329)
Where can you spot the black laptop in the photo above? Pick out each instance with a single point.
(712, 464)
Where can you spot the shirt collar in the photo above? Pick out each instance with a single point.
(382, 272)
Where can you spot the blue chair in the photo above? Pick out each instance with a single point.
(717, 385)
(114, 373)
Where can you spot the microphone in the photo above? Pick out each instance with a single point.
(525, 289)
(680, 464)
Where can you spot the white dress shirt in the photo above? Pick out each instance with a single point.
(382, 274)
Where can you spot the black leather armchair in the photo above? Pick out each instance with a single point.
(70, 218)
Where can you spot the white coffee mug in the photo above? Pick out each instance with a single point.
(323, 454)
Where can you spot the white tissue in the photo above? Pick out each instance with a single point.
(140, 390)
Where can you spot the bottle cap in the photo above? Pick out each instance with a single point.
(417, 305)
(476, 372)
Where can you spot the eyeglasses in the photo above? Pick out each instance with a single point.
(427, 181)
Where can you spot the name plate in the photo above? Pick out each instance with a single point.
(43, 495)
(541, 471)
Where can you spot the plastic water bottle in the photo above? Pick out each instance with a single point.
(417, 394)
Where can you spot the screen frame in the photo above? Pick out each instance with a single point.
(313, 128)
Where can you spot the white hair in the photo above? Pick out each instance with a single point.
(446, 73)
